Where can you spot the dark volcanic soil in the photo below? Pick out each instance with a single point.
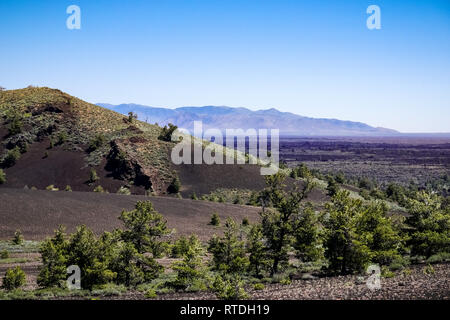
(203, 178)
(34, 169)
(40, 167)
(37, 213)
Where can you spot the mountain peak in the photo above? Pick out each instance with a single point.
(224, 117)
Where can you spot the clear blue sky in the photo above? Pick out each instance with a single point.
(314, 58)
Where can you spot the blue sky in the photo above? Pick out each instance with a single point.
(313, 58)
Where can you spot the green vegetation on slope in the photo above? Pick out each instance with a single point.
(291, 238)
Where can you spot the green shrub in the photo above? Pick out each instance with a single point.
(55, 292)
(11, 157)
(15, 126)
(133, 268)
(395, 267)
(215, 220)
(380, 234)
(258, 260)
(68, 188)
(430, 225)
(356, 234)
(386, 273)
(144, 227)
(259, 286)
(52, 273)
(99, 189)
(278, 223)
(439, 257)
(406, 272)
(190, 271)
(301, 171)
(228, 252)
(17, 295)
(229, 288)
(194, 196)
(97, 142)
(62, 137)
(132, 116)
(332, 187)
(396, 193)
(125, 260)
(13, 279)
(308, 236)
(174, 186)
(23, 146)
(4, 254)
(51, 188)
(364, 194)
(238, 200)
(2, 176)
(365, 183)
(151, 294)
(254, 199)
(124, 190)
(108, 289)
(126, 267)
(182, 245)
(340, 178)
(93, 176)
(377, 194)
(399, 263)
(166, 132)
(18, 238)
(429, 270)
(245, 222)
(85, 251)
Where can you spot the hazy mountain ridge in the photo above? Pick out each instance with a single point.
(223, 117)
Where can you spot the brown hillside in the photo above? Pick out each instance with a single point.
(38, 213)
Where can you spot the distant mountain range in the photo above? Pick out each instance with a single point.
(241, 118)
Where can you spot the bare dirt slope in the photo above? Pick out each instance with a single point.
(38, 213)
(202, 179)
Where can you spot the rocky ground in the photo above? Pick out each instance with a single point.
(419, 284)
